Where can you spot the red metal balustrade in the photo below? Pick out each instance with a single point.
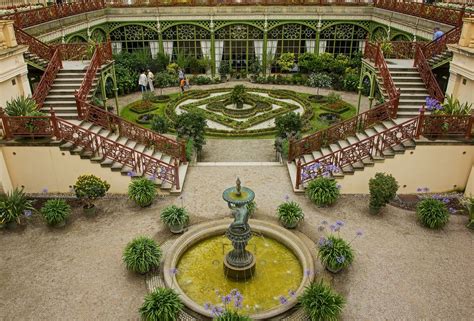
(426, 74)
(403, 49)
(73, 51)
(439, 45)
(35, 46)
(47, 80)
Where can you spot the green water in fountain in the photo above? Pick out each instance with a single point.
(201, 274)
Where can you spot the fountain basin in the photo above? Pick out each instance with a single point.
(213, 229)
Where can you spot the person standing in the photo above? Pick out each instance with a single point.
(180, 75)
(142, 81)
(437, 33)
(150, 78)
(182, 83)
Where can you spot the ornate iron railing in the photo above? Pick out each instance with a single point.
(35, 46)
(445, 125)
(429, 79)
(24, 19)
(439, 45)
(73, 51)
(404, 49)
(47, 80)
(341, 130)
(162, 3)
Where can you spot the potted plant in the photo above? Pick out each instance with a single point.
(320, 302)
(175, 217)
(224, 70)
(231, 315)
(335, 253)
(290, 214)
(163, 304)
(323, 191)
(55, 212)
(12, 206)
(432, 213)
(383, 188)
(142, 191)
(89, 188)
(142, 255)
(319, 80)
(237, 96)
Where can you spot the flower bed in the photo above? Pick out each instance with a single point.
(143, 106)
(339, 107)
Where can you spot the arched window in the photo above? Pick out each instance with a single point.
(342, 39)
(134, 37)
(187, 40)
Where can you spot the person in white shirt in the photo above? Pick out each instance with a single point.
(150, 77)
(142, 81)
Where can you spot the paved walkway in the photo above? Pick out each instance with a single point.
(350, 97)
(238, 150)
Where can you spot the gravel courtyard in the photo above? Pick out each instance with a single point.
(402, 271)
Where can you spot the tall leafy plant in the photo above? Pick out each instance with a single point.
(191, 125)
(21, 106)
(286, 61)
(320, 302)
(163, 304)
(13, 205)
(142, 255)
(142, 191)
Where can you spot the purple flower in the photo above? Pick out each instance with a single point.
(292, 293)
(130, 174)
(238, 304)
(337, 228)
(445, 200)
(419, 189)
(322, 241)
(307, 273)
(233, 292)
(45, 190)
(287, 198)
(226, 299)
(216, 310)
(338, 186)
(339, 223)
(283, 300)
(359, 233)
(452, 210)
(27, 213)
(207, 306)
(340, 259)
(332, 227)
(152, 177)
(173, 271)
(426, 189)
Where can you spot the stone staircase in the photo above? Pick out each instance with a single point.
(35, 61)
(118, 167)
(441, 59)
(359, 166)
(61, 96)
(413, 92)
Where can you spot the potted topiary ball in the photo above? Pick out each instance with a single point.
(142, 191)
(13, 206)
(89, 188)
(55, 212)
(320, 302)
(432, 213)
(383, 188)
(163, 304)
(290, 214)
(335, 253)
(142, 255)
(323, 191)
(175, 217)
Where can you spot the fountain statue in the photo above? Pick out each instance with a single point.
(239, 264)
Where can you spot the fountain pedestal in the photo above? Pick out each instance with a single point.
(239, 264)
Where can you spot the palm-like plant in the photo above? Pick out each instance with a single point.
(162, 304)
(21, 106)
(290, 214)
(321, 303)
(13, 205)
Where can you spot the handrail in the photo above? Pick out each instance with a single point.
(427, 75)
(103, 118)
(47, 80)
(35, 46)
(403, 49)
(72, 51)
(373, 145)
(439, 45)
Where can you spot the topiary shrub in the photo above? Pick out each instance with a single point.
(230, 315)
(290, 214)
(335, 253)
(89, 188)
(55, 212)
(320, 302)
(383, 188)
(142, 191)
(237, 96)
(432, 213)
(162, 304)
(142, 255)
(323, 191)
(289, 124)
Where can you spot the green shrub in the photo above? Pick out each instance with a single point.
(286, 61)
(224, 68)
(13, 205)
(320, 80)
(189, 149)
(383, 188)
(288, 124)
(142, 191)
(335, 253)
(88, 188)
(432, 213)
(290, 213)
(162, 304)
(191, 125)
(21, 106)
(174, 216)
(142, 255)
(351, 82)
(55, 211)
(237, 95)
(332, 98)
(323, 191)
(159, 124)
(321, 303)
(201, 80)
(230, 315)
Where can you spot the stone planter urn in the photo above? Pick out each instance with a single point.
(177, 229)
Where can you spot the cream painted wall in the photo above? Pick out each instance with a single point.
(37, 168)
(5, 181)
(439, 167)
(470, 184)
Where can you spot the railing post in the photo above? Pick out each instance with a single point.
(54, 124)
(6, 127)
(176, 173)
(469, 127)
(182, 156)
(298, 174)
(461, 15)
(421, 117)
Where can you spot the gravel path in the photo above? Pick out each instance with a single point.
(238, 150)
(350, 97)
(402, 271)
